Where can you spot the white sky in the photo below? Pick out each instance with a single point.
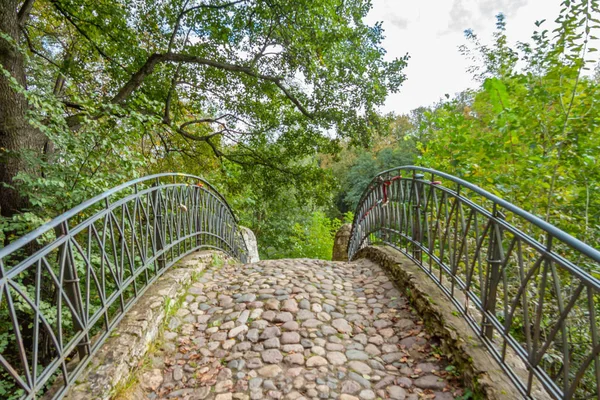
(430, 31)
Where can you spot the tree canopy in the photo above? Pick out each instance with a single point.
(113, 86)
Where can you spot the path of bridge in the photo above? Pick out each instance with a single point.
(296, 329)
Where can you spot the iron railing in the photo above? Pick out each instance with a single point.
(524, 286)
(65, 286)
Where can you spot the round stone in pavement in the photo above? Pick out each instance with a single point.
(316, 361)
(357, 355)
(272, 356)
(359, 367)
(432, 382)
(396, 392)
(290, 338)
(341, 325)
(336, 358)
(367, 395)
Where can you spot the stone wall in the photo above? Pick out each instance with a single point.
(465, 350)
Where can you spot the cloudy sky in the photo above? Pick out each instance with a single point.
(430, 31)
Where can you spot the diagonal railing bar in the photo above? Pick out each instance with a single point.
(60, 301)
(529, 290)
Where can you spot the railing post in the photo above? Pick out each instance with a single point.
(196, 211)
(381, 211)
(159, 241)
(417, 234)
(72, 289)
(495, 255)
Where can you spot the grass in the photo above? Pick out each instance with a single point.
(126, 390)
(197, 275)
(452, 370)
(215, 323)
(171, 308)
(217, 261)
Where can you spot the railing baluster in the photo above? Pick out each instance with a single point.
(494, 260)
(72, 289)
(416, 220)
(158, 242)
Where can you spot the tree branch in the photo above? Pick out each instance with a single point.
(213, 6)
(266, 44)
(184, 11)
(73, 105)
(204, 138)
(217, 152)
(36, 52)
(137, 78)
(69, 18)
(24, 11)
(255, 157)
(207, 120)
(176, 27)
(167, 116)
(293, 99)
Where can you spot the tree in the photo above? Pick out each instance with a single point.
(354, 168)
(530, 134)
(16, 134)
(256, 82)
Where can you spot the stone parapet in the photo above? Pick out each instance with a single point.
(251, 244)
(340, 243)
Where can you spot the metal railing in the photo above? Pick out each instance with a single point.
(524, 286)
(65, 286)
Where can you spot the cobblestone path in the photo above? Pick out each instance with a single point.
(296, 329)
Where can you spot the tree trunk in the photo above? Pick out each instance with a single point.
(17, 136)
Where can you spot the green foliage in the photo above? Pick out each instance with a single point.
(217, 261)
(354, 168)
(314, 238)
(275, 103)
(466, 396)
(530, 135)
(368, 165)
(271, 203)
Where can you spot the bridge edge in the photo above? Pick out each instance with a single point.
(117, 359)
(479, 370)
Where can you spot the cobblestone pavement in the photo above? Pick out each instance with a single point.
(296, 329)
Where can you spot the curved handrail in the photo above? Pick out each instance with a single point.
(66, 285)
(521, 283)
(41, 230)
(556, 232)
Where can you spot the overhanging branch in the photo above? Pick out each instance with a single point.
(138, 78)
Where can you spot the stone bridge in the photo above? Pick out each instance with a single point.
(153, 291)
